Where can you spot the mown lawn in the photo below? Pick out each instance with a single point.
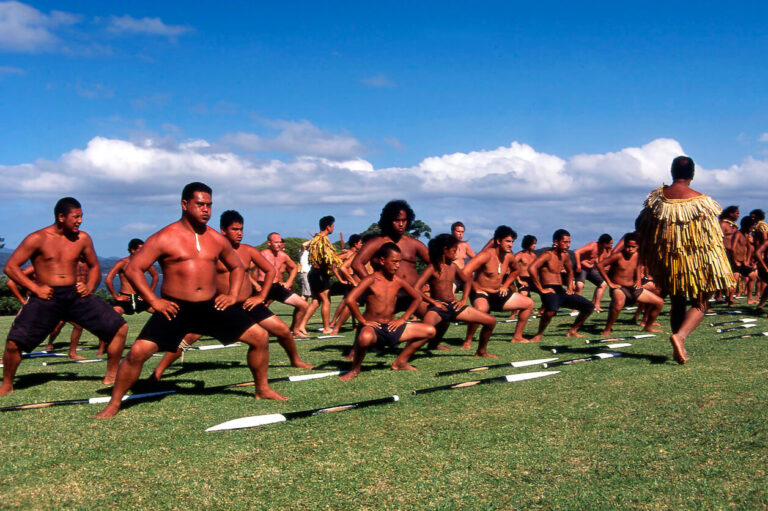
(637, 431)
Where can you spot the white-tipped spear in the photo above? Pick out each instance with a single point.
(596, 356)
(724, 312)
(761, 334)
(592, 348)
(734, 322)
(641, 336)
(522, 363)
(508, 378)
(263, 420)
(724, 330)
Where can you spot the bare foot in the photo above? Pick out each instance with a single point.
(404, 367)
(441, 347)
(466, 345)
(327, 331)
(6, 389)
(571, 333)
(349, 375)
(752, 302)
(269, 394)
(109, 378)
(606, 333)
(301, 364)
(520, 339)
(537, 338)
(351, 355)
(485, 355)
(651, 329)
(598, 309)
(107, 412)
(678, 346)
(75, 356)
(99, 353)
(49, 347)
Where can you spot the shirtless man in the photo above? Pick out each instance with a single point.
(281, 290)
(350, 280)
(728, 225)
(463, 250)
(524, 258)
(547, 277)
(188, 251)
(439, 277)
(54, 252)
(396, 218)
(624, 279)
(378, 326)
(742, 252)
(490, 291)
(128, 301)
(231, 224)
(761, 257)
(586, 259)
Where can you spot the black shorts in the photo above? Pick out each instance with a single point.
(200, 318)
(762, 274)
(495, 300)
(448, 314)
(319, 281)
(590, 274)
(744, 270)
(553, 301)
(631, 294)
(134, 305)
(258, 313)
(39, 317)
(525, 285)
(279, 293)
(384, 338)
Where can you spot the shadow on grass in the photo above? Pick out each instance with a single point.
(31, 380)
(201, 366)
(565, 350)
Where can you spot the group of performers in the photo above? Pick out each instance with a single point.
(214, 284)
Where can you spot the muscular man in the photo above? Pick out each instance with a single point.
(547, 276)
(524, 258)
(188, 251)
(742, 252)
(681, 244)
(57, 295)
(128, 301)
(281, 290)
(587, 258)
(490, 291)
(395, 219)
(463, 250)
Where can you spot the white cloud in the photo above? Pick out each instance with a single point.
(26, 29)
(146, 26)
(93, 90)
(10, 70)
(379, 80)
(298, 137)
(763, 138)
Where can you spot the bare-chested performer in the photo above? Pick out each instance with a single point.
(728, 224)
(395, 220)
(742, 252)
(349, 281)
(188, 251)
(128, 301)
(587, 258)
(54, 252)
(231, 224)
(463, 250)
(281, 290)
(325, 264)
(490, 291)
(378, 326)
(440, 276)
(547, 277)
(761, 258)
(681, 244)
(759, 237)
(524, 258)
(624, 280)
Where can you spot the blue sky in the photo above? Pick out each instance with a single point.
(537, 116)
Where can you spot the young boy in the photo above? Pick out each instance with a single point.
(440, 276)
(624, 280)
(377, 325)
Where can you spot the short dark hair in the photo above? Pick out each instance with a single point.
(134, 244)
(64, 206)
(631, 236)
(528, 241)
(230, 217)
(759, 214)
(382, 252)
(604, 238)
(389, 213)
(454, 225)
(354, 239)
(683, 168)
(503, 231)
(728, 211)
(747, 222)
(437, 245)
(560, 234)
(326, 221)
(196, 186)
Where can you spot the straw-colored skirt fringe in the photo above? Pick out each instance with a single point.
(681, 245)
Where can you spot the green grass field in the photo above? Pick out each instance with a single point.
(637, 431)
